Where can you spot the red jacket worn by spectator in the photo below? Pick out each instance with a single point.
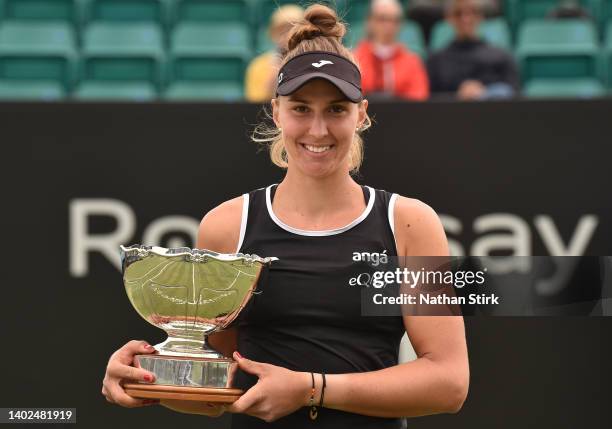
(402, 74)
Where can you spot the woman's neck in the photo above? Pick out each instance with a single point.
(318, 199)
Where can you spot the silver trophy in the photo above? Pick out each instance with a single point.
(189, 293)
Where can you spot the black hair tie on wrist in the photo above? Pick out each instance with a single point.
(322, 390)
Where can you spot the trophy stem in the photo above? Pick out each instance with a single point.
(181, 346)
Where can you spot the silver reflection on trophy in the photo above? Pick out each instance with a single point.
(190, 294)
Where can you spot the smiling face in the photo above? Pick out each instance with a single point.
(318, 127)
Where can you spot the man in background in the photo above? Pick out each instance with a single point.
(470, 68)
(428, 12)
(388, 68)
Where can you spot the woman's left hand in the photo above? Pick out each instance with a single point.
(278, 392)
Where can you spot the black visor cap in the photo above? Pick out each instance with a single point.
(334, 68)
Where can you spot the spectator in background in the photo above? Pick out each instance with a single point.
(260, 79)
(569, 9)
(388, 68)
(469, 67)
(428, 12)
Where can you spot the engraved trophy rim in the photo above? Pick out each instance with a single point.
(194, 253)
(177, 344)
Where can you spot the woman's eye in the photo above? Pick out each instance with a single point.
(304, 109)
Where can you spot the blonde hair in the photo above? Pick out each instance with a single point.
(319, 30)
(285, 15)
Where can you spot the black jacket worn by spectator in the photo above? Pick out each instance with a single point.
(470, 60)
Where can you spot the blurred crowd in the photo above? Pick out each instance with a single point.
(229, 50)
(468, 68)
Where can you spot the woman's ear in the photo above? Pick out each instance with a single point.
(363, 109)
(274, 103)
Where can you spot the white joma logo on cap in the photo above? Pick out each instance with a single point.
(321, 63)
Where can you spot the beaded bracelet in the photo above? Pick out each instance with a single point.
(313, 407)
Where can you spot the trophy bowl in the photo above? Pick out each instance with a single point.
(190, 294)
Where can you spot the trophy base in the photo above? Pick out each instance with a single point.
(187, 378)
(204, 394)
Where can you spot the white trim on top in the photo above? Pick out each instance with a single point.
(243, 222)
(320, 233)
(392, 215)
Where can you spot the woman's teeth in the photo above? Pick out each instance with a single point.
(317, 149)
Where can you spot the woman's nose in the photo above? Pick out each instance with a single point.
(318, 127)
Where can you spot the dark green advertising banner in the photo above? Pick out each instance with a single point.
(519, 178)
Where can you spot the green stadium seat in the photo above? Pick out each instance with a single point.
(558, 49)
(442, 34)
(607, 56)
(495, 31)
(47, 10)
(353, 11)
(564, 88)
(601, 11)
(127, 11)
(212, 39)
(263, 42)
(208, 61)
(519, 11)
(212, 10)
(31, 91)
(355, 32)
(606, 14)
(529, 9)
(125, 59)
(40, 53)
(595, 7)
(412, 36)
(121, 91)
(210, 91)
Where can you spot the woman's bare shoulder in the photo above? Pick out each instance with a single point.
(219, 229)
(418, 229)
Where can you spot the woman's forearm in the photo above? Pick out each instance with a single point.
(411, 389)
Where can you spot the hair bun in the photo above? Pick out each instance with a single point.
(319, 21)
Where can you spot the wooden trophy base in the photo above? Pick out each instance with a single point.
(204, 394)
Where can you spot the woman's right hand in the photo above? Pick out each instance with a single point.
(120, 368)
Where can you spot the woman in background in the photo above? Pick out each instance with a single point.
(260, 77)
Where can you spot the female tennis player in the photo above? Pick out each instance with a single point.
(307, 356)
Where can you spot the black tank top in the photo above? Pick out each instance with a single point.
(304, 315)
